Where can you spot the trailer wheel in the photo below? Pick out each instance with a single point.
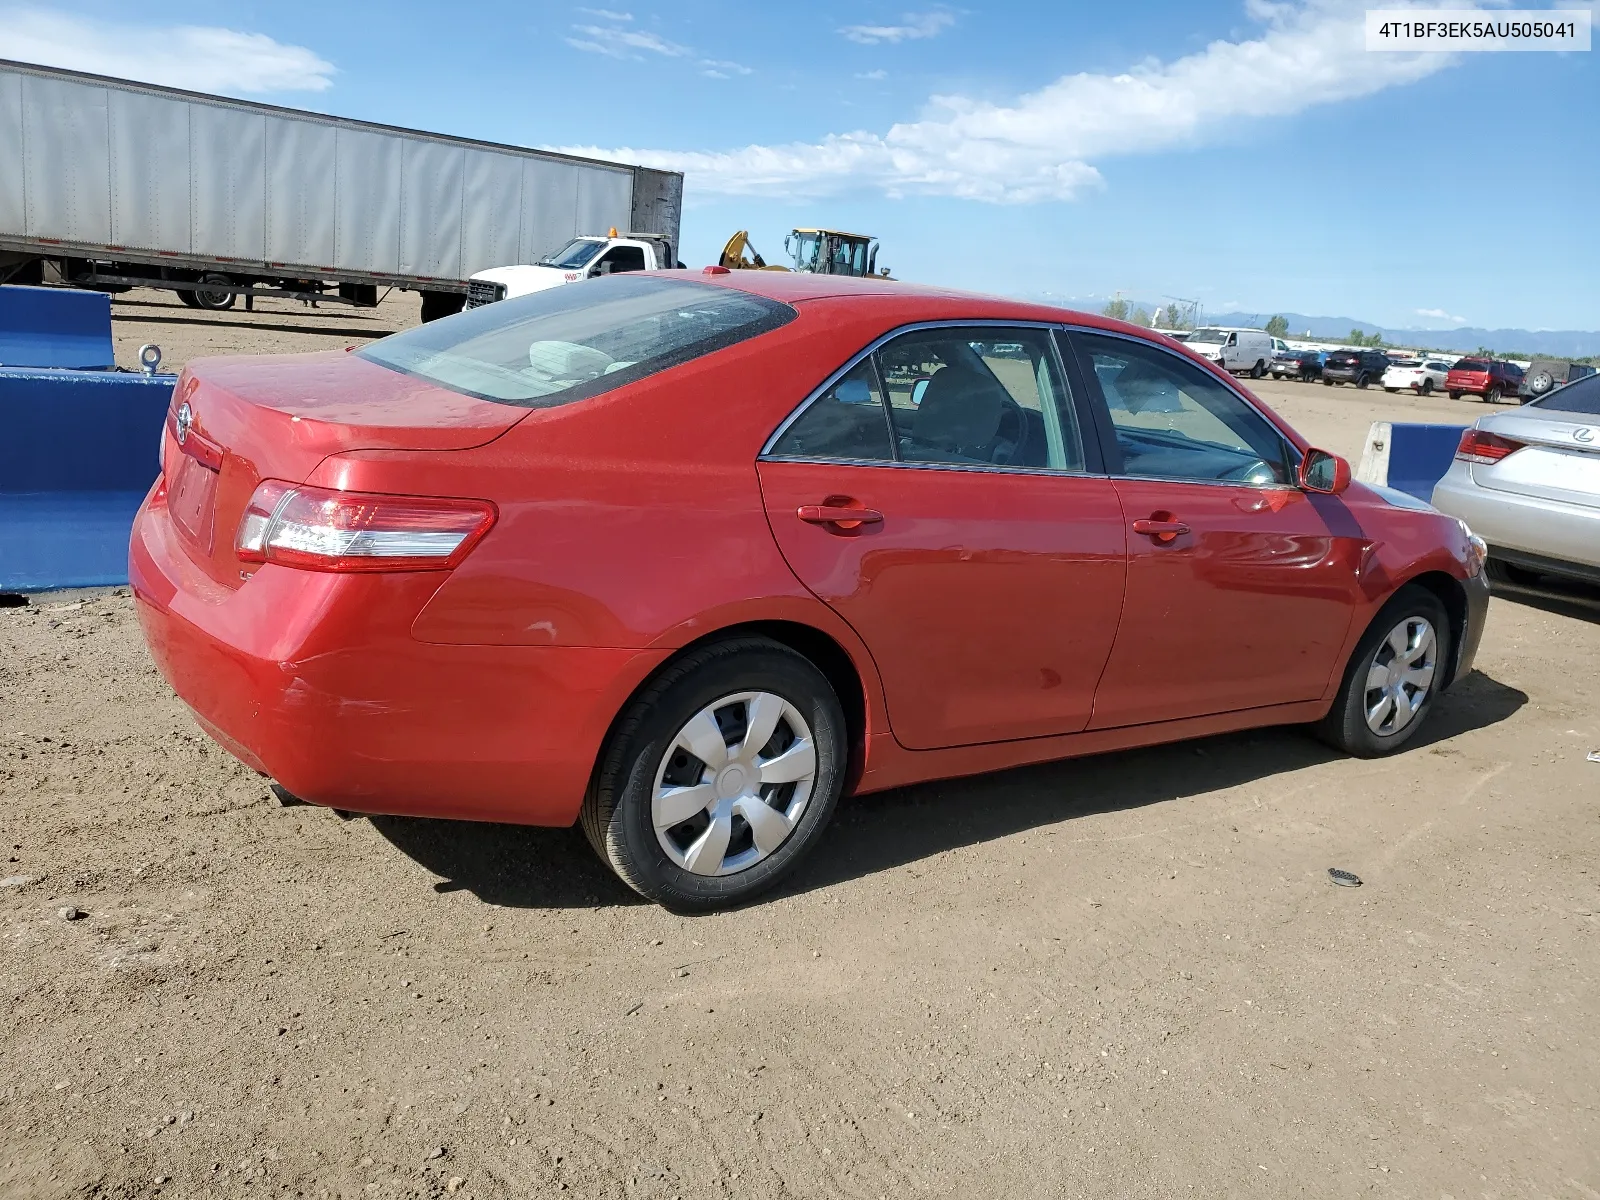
(217, 301)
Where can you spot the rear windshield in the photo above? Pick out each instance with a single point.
(1581, 396)
(577, 340)
(1471, 364)
(1344, 356)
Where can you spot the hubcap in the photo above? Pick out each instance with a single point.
(1401, 675)
(734, 783)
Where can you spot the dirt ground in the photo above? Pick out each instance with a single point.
(1126, 976)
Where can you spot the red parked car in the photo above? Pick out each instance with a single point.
(686, 557)
(1486, 378)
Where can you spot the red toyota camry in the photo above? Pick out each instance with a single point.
(685, 557)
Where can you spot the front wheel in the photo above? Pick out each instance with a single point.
(720, 776)
(1392, 677)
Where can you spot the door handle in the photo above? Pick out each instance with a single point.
(838, 515)
(1162, 530)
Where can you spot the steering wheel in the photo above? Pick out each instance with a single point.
(1011, 413)
(1259, 471)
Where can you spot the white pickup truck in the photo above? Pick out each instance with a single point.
(581, 258)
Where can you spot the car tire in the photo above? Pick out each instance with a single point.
(214, 301)
(1427, 387)
(1257, 371)
(185, 298)
(1327, 383)
(1492, 396)
(1455, 395)
(648, 760)
(1362, 381)
(1366, 727)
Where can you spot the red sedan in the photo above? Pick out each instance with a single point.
(685, 557)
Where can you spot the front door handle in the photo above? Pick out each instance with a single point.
(1161, 529)
(838, 515)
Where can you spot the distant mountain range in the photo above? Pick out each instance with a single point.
(1557, 343)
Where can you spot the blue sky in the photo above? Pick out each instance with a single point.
(1249, 153)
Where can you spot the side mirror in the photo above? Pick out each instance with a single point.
(918, 390)
(1323, 472)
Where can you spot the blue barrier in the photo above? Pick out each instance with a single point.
(55, 327)
(77, 455)
(1408, 458)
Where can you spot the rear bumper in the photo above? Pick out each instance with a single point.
(315, 680)
(1507, 521)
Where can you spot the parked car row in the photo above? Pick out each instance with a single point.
(1488, 379)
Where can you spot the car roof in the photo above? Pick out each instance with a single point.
(914, 301)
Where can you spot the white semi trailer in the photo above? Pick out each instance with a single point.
(111, 184)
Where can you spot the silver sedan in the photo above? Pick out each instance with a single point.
(1528, 483)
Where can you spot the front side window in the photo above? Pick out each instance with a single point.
(621, 258)
(568, 343)
(980, 396)
(1174, 421)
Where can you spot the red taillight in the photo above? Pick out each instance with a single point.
(1480, 447)
(319, 529)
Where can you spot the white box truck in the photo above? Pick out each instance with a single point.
(110, 184)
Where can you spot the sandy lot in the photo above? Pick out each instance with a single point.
(1124, 976)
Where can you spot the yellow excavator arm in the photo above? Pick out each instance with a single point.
(740, 255)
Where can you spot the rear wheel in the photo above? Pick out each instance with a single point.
(1327, 383)
(216, 301)
(1392, 677)
(1492, 396)
(1362, 381)
(1427, 387)
(1257, 371)
(719, 777)
(1455, 395)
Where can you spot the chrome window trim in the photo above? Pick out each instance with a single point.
(851, 364)
(1292, 458)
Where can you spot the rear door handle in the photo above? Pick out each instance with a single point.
(838, 515)
(1161, 531)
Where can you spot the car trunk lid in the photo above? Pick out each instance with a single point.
(236, 421)
(1560, 458)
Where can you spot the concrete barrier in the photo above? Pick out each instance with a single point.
(78, 452)
(55, 327)
(1408, 458)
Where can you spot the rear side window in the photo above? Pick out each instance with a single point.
(577, 340)
(1581, 396)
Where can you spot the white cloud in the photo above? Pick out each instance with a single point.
(615, 41)
(606, 14)
(717, 68)
(1041, 146)
(198, 57)
(912, 27)
(880, 73)
(1439, 314)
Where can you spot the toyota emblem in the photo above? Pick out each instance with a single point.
(185, 421)
(1583, 435)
